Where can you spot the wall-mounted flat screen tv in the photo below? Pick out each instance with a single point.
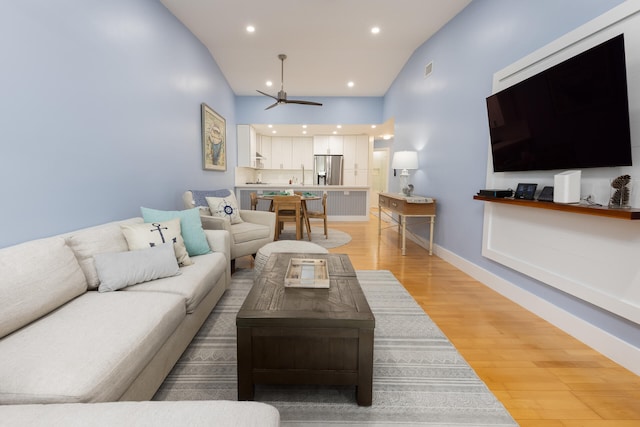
(572, 115)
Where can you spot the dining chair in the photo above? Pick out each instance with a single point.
(305, 220)
(288, 209)
(254, 200)
(320, 215)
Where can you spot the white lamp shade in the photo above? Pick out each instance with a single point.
(405, 160)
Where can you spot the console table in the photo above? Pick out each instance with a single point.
(398, 203)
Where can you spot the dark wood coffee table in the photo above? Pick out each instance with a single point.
(306, 336)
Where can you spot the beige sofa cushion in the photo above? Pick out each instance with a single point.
(205, 413)
(95, 240)
(248, 232)
(88, 350)
(118, 270)
(141, 236)
(36, 277)
(193, 283)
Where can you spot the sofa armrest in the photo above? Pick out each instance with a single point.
(259, 217)
(220, 241)
(215, 223)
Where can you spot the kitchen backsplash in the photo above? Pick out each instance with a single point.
(273, 176)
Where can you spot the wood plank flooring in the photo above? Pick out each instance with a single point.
(543, 376)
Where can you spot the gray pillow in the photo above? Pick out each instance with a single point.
(117, 270)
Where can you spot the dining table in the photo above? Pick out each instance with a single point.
(304, 198)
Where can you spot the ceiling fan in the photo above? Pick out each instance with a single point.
(282, 95)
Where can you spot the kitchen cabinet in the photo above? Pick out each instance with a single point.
(328, 144)
(321, 144)
(356, 159)
(302, 153)
(356, 152)
(356, 177)
(336, 144)
(264, 148)
(246, 138)
(281, 149)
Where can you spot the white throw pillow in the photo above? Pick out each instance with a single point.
(225, 207)
(141, 236)
(118, 270)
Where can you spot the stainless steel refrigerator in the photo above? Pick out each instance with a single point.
(327, 169)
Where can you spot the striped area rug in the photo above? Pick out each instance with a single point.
(419, 378)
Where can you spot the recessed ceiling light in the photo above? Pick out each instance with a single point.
(335, 132)
(304, 132)
(304, 126)
(375, 30)
(339, 126)
(386, 137)
(373, 126)
(274, 131)
(269, 83)
(269, 126)
(251, 29)
(350, 84)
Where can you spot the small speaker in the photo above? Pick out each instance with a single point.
(567, 187)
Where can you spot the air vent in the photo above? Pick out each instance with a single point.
(428, 69)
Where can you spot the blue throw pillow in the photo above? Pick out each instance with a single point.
(192, 233)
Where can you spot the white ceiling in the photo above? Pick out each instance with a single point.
(327, 42)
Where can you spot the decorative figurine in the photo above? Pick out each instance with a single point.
(620, 197)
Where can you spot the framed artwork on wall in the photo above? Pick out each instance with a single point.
(214, 140)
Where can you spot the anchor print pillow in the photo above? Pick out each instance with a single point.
(150, 234)
(225, 207)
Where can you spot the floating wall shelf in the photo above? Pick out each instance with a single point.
(620, 213)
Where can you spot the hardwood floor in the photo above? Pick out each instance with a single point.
(543, 376)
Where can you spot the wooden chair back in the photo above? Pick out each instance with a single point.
(321, 215)
(254, 201)
(288, 209)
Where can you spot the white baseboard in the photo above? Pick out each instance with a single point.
(610, 346)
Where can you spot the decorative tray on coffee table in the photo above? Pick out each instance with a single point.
(307, 273)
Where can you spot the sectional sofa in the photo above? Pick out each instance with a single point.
(66, 339)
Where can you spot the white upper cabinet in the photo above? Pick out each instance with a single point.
(321, 144)
(332, 144)
(246, 136)
(295, 153)
(264, 148)
(281, 149)
(302, 153)
(336, 144)
(356, 152)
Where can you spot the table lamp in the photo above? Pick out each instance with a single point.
(405, 160)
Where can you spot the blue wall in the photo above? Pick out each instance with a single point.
(444, 116)
(100, 113)
(343, 110)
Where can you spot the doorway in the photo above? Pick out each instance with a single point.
(379, 174)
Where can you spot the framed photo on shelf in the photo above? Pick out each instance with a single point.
(214, 140)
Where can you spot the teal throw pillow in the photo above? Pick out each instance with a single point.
(194, 238)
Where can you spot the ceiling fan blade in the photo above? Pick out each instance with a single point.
(296, 101)
(282, 95)
(266, 94)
